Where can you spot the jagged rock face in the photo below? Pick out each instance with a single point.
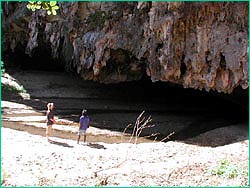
(197, 45)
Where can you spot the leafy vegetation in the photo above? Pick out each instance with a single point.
(51, 7)
(13, 89)
(2, 67)
(228, 170)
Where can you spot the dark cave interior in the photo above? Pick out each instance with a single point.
(230, 107)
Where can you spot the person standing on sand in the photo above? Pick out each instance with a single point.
(83, 126)
(50, 120)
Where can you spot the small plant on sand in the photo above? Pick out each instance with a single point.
(4, 177)
(102, 181)
(43, 181)
(228, 170)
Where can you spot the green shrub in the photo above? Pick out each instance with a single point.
(2, 67)
(227, 170)
(13, 89)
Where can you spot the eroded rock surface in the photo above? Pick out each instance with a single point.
(197, 45)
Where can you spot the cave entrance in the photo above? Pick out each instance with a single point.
(40, 60)
(186, 112)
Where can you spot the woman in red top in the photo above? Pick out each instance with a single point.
(50, 120)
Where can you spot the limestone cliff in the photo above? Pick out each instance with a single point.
(197, 45)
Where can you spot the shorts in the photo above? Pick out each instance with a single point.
(48, 130)
(81, 132)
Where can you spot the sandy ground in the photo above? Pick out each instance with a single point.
(108, 159)
(29, 160)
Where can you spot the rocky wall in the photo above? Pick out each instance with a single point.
(197, 45)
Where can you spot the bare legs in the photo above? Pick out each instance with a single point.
(79, 137)
(48, 132)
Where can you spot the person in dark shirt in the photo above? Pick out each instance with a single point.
(50, 120)
(83, 126)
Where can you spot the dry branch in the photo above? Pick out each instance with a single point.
(167, 137)
(142, 122)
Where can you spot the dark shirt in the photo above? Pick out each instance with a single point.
(50, 115)
(84, 122)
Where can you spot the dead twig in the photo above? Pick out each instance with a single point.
(154, 134)
(167, 137)
(116, 166)
(123, 133)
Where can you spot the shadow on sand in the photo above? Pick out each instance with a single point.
(60, 144)
(96, 146)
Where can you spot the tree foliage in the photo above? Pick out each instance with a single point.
(50, 6)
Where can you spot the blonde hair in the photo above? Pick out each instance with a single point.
(50, 105)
